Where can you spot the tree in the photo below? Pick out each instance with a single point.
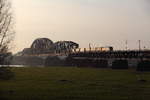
(6, 36)
(6, 23)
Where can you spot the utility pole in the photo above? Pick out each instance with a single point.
(139, 45)
(90, 46)
(126, 45)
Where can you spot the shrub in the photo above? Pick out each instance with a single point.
(101, 63)
(143, 66)
(54, 61)
(120, 64)
(69, 61)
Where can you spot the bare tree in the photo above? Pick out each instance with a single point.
(6, 23)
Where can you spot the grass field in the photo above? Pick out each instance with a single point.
(68, 83)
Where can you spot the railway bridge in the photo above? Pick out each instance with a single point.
(109, 58)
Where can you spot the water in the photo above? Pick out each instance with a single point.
(13, 66)
(19, 66)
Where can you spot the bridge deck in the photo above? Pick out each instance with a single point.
(113, 54)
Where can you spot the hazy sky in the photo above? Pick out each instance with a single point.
(99, 22)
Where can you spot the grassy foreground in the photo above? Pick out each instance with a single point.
(68, 83)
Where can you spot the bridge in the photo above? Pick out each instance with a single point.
(113, 54)
(108, 58)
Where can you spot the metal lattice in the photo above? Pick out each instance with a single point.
(42, 46)
(42, 43)
(65, 46)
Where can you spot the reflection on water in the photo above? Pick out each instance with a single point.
(19, 66)
(13, 66)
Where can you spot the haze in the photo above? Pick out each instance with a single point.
(99, 22)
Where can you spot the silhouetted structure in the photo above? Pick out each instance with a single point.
(113, 54)
(65, 46)
(65, 53)
(46, 46)
(42, 46)
(113, 59)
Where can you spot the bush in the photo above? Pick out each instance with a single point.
(83, 62)
(101, 63)
(54, 61)
(6, 73)
(69, 61)
(120, 64)
(143, 66)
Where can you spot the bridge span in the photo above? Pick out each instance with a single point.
(107, 58)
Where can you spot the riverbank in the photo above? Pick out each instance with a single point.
(71, 83)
